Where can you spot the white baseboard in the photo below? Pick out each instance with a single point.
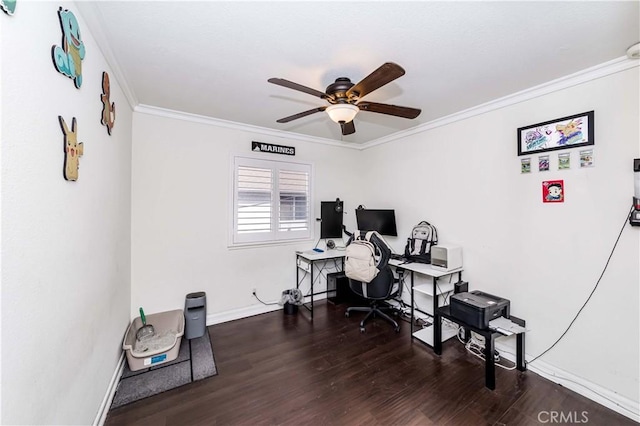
(235, 314)
(580, 385)
(250, 311)
(111, 391)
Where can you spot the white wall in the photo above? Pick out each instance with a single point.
(180, 215)
(465, 179)
(65, 245)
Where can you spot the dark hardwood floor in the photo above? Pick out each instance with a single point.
(283, 369)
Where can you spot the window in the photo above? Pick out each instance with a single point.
(272, 200)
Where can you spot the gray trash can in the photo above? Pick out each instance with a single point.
(195, 315)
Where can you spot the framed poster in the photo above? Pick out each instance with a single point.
(566, 132)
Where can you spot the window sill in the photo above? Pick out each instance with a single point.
(261, 244)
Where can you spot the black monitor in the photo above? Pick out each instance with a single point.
(383, 221)
(331, 219)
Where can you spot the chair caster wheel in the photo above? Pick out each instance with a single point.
(361, 329)
(346, 314)
(397, 329)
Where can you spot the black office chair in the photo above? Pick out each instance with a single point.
(383, 287)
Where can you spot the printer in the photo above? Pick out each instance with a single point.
(477, 308)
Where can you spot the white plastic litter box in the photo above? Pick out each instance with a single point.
(162, 348)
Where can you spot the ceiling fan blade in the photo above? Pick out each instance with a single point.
(383, 75)
(348, 128)
(300, 115)
(398, 111)
(299, 87)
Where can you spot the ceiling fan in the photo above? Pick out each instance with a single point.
(345, 97)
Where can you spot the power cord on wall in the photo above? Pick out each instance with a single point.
(261, 301)
(592, 291)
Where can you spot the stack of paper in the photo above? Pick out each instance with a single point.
(505, 326)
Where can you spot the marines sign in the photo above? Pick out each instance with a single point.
(274, 149)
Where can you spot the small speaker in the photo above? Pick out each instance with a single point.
(461, 287)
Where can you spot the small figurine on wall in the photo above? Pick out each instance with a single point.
(68, 58)
(9, 6)
(108, 109)
(72, 149)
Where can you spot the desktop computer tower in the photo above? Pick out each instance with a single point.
(338, 290)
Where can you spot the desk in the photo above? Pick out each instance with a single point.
(489, 343)
(433, 289)
(310, 258)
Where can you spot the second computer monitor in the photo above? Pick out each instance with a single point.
(382, 221)
(331, 219)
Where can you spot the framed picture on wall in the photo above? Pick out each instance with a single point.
(553, 191)
(562, 133)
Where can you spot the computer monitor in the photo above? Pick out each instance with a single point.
(331, 219)
(382, 221)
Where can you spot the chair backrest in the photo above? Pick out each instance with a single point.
(382, 284)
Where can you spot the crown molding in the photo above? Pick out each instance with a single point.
(589, 74)
(185, 116)
(93, 19)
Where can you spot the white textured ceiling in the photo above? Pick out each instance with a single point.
(214, 58)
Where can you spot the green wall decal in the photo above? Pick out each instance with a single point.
(67, 59)
(9, 6)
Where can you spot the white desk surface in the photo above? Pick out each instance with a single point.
(327, 254)
(423, 268)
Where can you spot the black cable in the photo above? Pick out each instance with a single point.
(264, 303)
(335, 264)
(592, 291)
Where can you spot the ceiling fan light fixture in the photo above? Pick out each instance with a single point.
(342, 112)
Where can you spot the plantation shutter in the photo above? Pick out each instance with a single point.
(255, 192)
(294, 202)
(272, 200)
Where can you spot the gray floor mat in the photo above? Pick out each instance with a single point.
(195, 361)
